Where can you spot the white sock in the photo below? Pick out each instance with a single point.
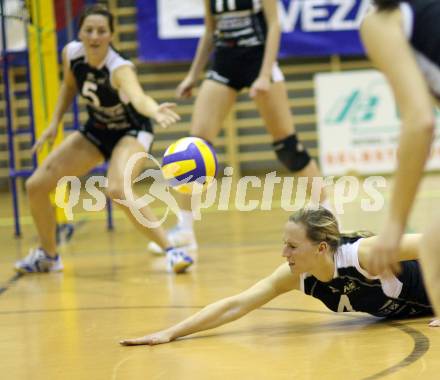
(185, 220)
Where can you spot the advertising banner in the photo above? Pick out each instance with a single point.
(168, 30)
(358, 124)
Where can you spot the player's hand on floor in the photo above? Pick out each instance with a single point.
(151, 340)
(434, 323)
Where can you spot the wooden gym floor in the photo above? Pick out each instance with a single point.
(67, 326)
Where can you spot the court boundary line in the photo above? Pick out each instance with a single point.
(10, 282)
(421, 347)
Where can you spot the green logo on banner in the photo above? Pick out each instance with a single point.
(354, 108)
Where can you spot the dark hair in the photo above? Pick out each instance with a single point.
(321, 225)
(97, 9)
(386, 4)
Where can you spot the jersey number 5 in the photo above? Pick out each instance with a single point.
(89, 92)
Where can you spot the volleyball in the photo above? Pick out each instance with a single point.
(189, 165)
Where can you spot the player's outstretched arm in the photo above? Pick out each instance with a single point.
(408, 250)
(125, 79)
(225, 310)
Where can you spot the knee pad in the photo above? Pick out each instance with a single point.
(292, 153)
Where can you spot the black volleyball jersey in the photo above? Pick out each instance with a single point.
(239, 23)
(422, 28)
(107, 107)
(354, 289)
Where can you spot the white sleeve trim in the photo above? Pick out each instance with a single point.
(115, 61)
(408, 19)
(358, 265)
(348, 256)
(302, 277)
(74, 49)
(391, 286)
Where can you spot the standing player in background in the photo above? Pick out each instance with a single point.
(402, 38)
(245, 36)
(118, 127)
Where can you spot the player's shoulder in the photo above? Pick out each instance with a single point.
(74, 49)
(115, 59)
(283, 280)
